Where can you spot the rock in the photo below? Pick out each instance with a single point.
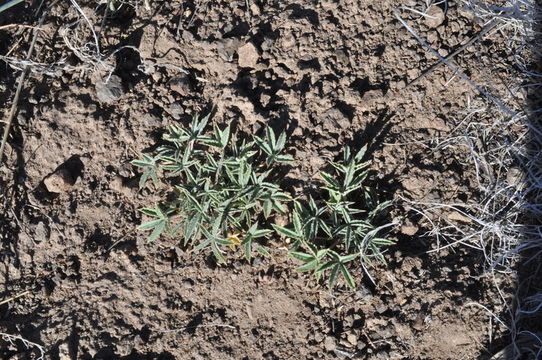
(408, 228)
(181, 85)
(58, 182)
(456, 216)
(227, 47)
(109, 91)
(329, 343)
(117, 183)
(248, 55)
(41, 233)
(188, 283)
(335, 120)
(352, 339)
(64, 352)
(370, 98)
(175, 110)
(436, 17)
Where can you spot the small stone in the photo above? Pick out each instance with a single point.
(352, 339)
(116, 183)
(64, 352)
(436, 17)
(188, 283)
(41, 233)
(255, 10)
(181, 85)
(248, 55)
(227, 47)
(370, 98)
(59, 182)
(408, 228)
(108, 91)
(175, 110)
(330, 344)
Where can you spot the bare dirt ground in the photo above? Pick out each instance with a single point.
(330, 73)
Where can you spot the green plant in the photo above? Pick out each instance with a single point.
(331, 233)
(9, 4)
(224, 185)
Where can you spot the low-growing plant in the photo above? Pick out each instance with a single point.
(329, 234)
(223, 187)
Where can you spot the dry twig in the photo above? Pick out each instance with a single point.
(20, 83)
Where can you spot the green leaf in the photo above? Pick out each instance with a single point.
(346, 274)
(262, 251)
(348, 258)
(157, 230)
(302, 256)
(9, 4)
(330, 180)
(263, 145)
(270, 134)
(150, 224)
(333, 276)
(361, 153)
(267, 208)
(140, 163)
(281, 142)
(224, 136)
(284, 158)
(149, 211)
(285, 231)
(382, 241)
(308, 266)
(323, 267)
(217, 253)
(202, 245)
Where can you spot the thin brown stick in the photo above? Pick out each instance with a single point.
(449, 57)
(13, 110)
(4, 27)
(14, 297)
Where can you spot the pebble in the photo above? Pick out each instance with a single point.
(58, 182)
(352, 339)
(248, 56)
(437, 17)
(41, 233)
(330, 344)
(64, 352)
(408, 228)
(227, 47)
(181, 85)
(110, 91)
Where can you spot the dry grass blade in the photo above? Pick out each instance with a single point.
(20, 83)
(12, 339)
(24, 293)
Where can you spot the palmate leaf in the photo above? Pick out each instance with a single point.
(221, 186)
(347, 276)
(157, 225)
(339, 229)
(302, 256)
(150, 169)
(272, 146)
(287, 232)
(254, 233)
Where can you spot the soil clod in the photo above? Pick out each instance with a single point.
(109, 90)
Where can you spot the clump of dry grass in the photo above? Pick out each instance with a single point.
(504, 143)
